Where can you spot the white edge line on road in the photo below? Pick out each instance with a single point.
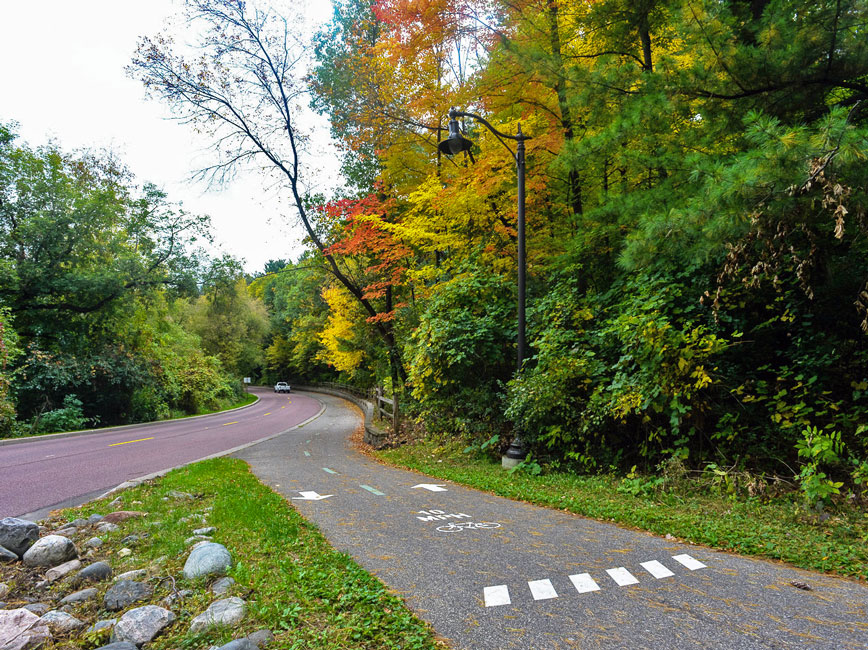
(689, 562)
(584, 583)
(495, 596)
(656, 569)
(622, 577)
(228, 452)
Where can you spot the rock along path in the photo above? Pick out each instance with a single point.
(490, 573)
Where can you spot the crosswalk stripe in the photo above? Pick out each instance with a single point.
(583, 582)
(542, 589)
(689, 562)
(622, 577)
(495, 596)
(656, 569)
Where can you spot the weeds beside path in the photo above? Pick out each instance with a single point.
(778, 528)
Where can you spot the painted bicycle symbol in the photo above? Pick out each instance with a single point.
(466, 525)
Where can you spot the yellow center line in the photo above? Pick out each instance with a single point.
(228, 423)
(129, 441)
(266, 414)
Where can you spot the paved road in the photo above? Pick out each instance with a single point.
(42, 474)
(538, 578)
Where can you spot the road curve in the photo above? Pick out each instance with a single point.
(44, 473)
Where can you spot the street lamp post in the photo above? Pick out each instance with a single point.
(456, 143)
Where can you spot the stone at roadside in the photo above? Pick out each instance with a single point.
(2, 605)
(196, 539)
(4, 590)
(141, 624)
(261, 638)
(56, 573)
(79, 522)
(20, 630)
(175, 596)
(221, 586)
(66, 531)
(207, 560)
(115, 503)
(99, 626)
(61, 622)
(49, 551)
(208, 530)
(106, 527)
(135, 574)
(6, 555)
(37, 608)
(180, 495)
(228, 611)
(120, 645)
(93, 542)
(125, 552)
(96, 572)
(79, 596)
(94, 519)
(17, 535)
(121, 515)
(239, 644)
(124, 593)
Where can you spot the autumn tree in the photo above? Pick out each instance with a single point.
(245, 87)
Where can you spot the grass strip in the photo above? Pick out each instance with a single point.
(295, 584)
(780, 528)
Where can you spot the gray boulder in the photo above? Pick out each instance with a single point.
(120, 645)
(79, 596)
(126, 592)
(228, 611)
(209, 559)
(61, 622)
(95, 572)
(261, 638)
(221, 586)
(56, 573)
(6, 555)
(93, 542)
(94, 519)
(49, 551)
(104, 624)
(17, 535)
(239, 644)
(142, 624)
(20, 630)
(37, 608)
(135, 574)
(208, 530)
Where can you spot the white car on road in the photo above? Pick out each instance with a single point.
(281, 387)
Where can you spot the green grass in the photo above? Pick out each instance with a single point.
(294, 583)
(778, 527)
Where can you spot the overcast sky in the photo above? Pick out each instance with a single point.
(62, 77)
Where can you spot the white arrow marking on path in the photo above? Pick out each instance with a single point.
(430, 486)
(311, 496)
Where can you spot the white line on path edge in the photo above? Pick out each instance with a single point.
(584, 583)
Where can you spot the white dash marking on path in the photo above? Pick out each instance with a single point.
(622, 577)
(307, 453)
(689, 562)
(330, 471)
(583, 582)
(656, 569)
(542, 589)
(372, 490)
(495, 596)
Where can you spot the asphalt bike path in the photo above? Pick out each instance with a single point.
(487, 572)
(43, 473)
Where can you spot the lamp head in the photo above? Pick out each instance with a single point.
(455, 142)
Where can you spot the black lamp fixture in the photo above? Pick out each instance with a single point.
(456, 143)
